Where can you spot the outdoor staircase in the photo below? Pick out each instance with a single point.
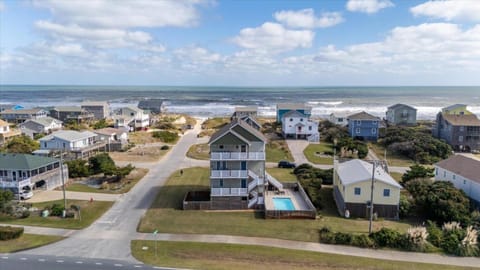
(256, 181)
(273, 181)
(253, 200)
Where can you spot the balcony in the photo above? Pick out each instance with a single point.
(10, 183)
(237, 156)
(228, 192)
(229, 174)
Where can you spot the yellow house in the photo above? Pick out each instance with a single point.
(456, 109)
(352, 190)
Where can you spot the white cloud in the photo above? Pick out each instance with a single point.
(449, 10)
(197, 55)
(305, 18)
(124, 14)
(103, 38)
(368, 6)
(273, 37)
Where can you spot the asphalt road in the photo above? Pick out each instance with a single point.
(31, 262)
(109, 237)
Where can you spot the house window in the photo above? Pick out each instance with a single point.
(386, 192)
(357, 191)
(291, 119)
(357, 130)
(374, 122)
(244, 183)
(301, 119)
(221, 183)
(374, 131)
(359, 122)
(220, 146)
(453, 176)
(310, 128)
(45, 145)
(460, 138)
(462, 128)
(464, 181)
(445, 174)
(340, 120)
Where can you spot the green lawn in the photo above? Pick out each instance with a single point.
(114, 188)
(193, 255)
(90, 211)
(392, 159)
(215, 123)
(282, 174)
(311, 153)
(199, 151)
(27, 241)
(166, 215)
(277, 150)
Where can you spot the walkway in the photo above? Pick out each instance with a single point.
(296, 148)
(52, 195)
(109, 237)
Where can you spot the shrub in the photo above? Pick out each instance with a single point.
(435, 234)
(362, 240)
(56, 210)
(451, 241)
(102, 163)
(417, 238)
(386, 237)
(406, 206)
(343, 238)
(77, 168)
(468, 246)
(165, 136)
(9, 233)
(25, 214)
(164, 147)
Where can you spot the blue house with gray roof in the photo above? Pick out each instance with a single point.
(364, 126)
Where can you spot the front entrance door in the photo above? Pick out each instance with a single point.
(244, 165)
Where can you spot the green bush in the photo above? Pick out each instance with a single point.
(77, 168)
(343, 238)
(165, 136)
(435, 234)
(362, 240)
(9, 233)
(451, 241)
(102, 163)
(386, 237)
(25, 214)
(56, 210)
(164, 147)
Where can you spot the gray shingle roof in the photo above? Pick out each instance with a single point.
(68, 109)
(237, 122)
(23, 161)
(399, 105)
(356, 171)
(69, 135)
(44, 121)
(462, 120)
(462, 165)
(363, 116)
(293, 113)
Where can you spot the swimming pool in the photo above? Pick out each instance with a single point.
(283, 204)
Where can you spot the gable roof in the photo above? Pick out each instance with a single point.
(228, 129)
(362, 116)
(109, 131)
(68, 109)
(22, 111)
(154, 102)
(462, 165)
(356, 171)
(454, 106)
(44, 121)
(462, 120)
(69, 135)
(400, 105)
(246, 109)
(293, 113)
(9, 161)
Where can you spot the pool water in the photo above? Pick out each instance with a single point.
(283, 204)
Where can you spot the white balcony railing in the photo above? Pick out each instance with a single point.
(237, 156)
(9, 183)
(229, 174)
(228, 192)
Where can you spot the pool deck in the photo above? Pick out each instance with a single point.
(298, 202)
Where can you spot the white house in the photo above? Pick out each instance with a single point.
(339, 118)
(297, 125)
(352, 190)
(463, 172)
(131, 117)
(43, 125)
(68, 140)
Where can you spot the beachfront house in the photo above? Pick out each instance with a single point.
(363, 126)
(71, 114)
(247, 114)
(78, 144)
(283, 108)
(6, 133)
(132, 118)
(26, 172)
(152, 105)
(44, 125)
(463, 172)
(352, 190)
(298, 126)
(339, 118)
(458, 127)
(100, 109)
(401, 114)
(22, 115)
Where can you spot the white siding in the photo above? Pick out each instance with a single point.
(470, 187)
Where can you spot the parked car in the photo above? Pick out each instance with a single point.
(23, 195)
(286, 164)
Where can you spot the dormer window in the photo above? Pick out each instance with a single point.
(291, 119)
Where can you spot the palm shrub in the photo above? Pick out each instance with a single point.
(417, 238)
(468, 246)
(452, 237)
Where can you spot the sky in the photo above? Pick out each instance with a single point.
(240, 42)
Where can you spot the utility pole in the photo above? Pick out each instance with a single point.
(371, 197)
(63, 182)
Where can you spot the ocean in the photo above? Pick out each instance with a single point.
(221, 101)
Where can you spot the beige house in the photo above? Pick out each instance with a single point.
(352, 190)
(6, 132)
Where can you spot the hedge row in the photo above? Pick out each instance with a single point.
(9, 233)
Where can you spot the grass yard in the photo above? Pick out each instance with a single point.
(193, 255)
(90, 211)
(282, 174)
(142, 137)
(199, 151)
(397, 176)
(113, 188)
(393, 159)
(215, 123)
(145, 153)
(27, 241)
(166, 215)
(311, 153)
(277, 150)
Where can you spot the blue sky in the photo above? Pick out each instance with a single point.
(240, 43)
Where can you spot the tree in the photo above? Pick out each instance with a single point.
(102, 123)
(21, 145)
(102, 163)
(439, 201)
(77, 168)
(5, 197)
(417, 172)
